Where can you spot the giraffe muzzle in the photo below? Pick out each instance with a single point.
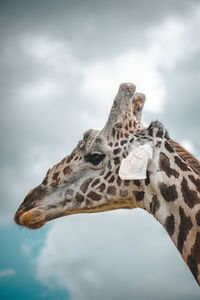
(29, 214)
(33, 219)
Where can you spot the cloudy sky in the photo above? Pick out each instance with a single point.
(61, 63)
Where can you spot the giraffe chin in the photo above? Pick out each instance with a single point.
(32, 219)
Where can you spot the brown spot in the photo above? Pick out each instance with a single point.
(126, 135)
(121, 135)
(194, 259)
(164, 164)
(126, 127)
(184, 228)
(196, 182)
(85, 184)
(116, 161)
(67, 170)
(196, 248)
(137, 182)
(168, 147)
(117, 170)
(55, 175)
(130, 123)
(95, 182)
(107, 175)
(76, 158)
(111, 190)
(159, 133)
(101, 187)
(170, 224)
(127, 182)
(147, 180)
(190, 196)
(198, 218)
(79, 198)
(110, 144)
(94, 196)
(119, 125)
(112, 178)
(123, 193)
(70, 157)
(116, 144)
(116, 151)
(123, 142)
(119, 181)
(139, 196)
(158, 144)
(154, 205)
(117, 137)
(193, 266)
(169, 193)
(181, 164)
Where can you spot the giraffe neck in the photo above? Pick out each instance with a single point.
(173, 198)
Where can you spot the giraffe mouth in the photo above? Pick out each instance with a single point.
(33, 219)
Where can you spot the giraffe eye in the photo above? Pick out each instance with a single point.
(94, 158)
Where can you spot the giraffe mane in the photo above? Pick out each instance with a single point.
(186, 156)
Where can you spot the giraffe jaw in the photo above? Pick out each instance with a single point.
(33, 219)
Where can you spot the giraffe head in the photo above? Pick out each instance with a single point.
(88, 180)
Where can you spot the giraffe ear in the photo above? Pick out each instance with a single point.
(134, 166)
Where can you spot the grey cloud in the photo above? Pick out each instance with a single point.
(94, 28)
(182, 105)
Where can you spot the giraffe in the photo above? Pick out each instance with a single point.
(125, 165)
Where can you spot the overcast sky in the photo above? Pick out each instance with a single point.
(61, 65)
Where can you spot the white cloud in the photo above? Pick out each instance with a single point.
(26, 249)
(169, 43)
(6, 273)
(101, 79)
(116, 255)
